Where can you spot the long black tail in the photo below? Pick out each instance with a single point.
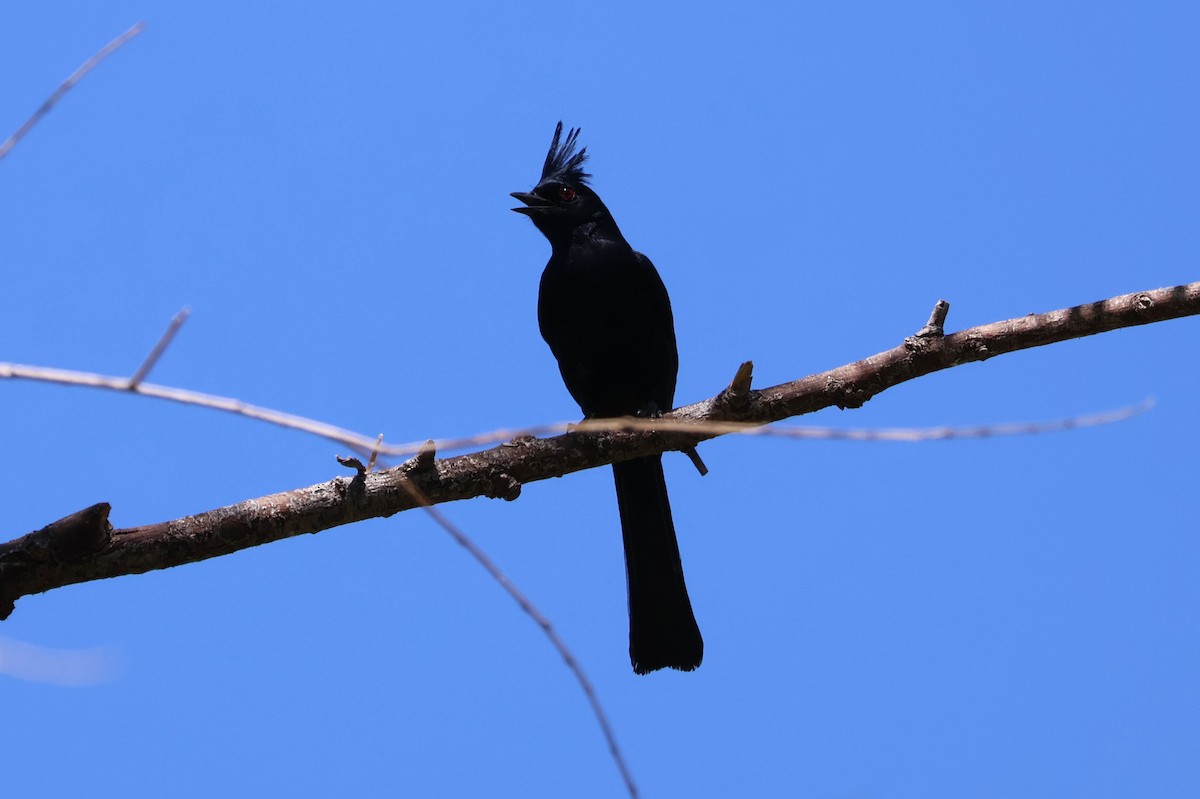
(662, 628)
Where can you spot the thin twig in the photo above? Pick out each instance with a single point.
(159, 348)
(367, 446)
(542, 621)
(974, 344)
(67, 377)
(375, 453)
(67, 85)
(629, 424)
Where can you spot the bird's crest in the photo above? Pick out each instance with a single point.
(563, 162)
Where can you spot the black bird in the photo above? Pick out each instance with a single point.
(606, 315)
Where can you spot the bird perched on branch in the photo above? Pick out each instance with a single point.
(605, 313)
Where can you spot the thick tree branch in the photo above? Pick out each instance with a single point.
(83, 547)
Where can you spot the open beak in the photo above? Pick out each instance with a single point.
(534, 204)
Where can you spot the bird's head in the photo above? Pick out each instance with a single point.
(562, 200)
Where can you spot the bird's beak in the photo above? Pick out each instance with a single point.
(534, 204)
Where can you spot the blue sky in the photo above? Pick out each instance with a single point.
(327, 188)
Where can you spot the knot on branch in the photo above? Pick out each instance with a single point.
(846, 395)
(503, 486)
(976, 349)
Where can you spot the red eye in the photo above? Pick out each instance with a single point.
(566, 194)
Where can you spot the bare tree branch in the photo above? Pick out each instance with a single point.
(74, 551)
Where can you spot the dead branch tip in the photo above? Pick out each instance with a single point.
(163, 342)
(79, 535)
(375, 453)
(696, 460)
(353, 463)
(423, 460)
(737, 394)
(71, 538)
(936, 326)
